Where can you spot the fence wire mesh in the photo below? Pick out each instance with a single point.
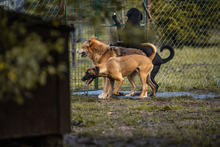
(81, 14)
(47, 9)
(190, 27)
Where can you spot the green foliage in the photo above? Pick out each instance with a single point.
(185, 22)
(21, 59)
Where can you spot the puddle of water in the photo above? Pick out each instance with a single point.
(158, 94)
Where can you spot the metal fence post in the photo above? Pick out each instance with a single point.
(73, 46)
(145, 15)
(97, 35)
(148, 16)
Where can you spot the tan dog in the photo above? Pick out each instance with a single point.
(116, 68)
(99, 52)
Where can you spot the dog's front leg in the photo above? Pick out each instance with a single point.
(111, 86)
(105, 89)
(118, 85)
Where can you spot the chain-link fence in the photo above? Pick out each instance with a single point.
(81, 14)
(47, 9)
(190, 27)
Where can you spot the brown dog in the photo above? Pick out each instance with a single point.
(116, 68)
(99, 52)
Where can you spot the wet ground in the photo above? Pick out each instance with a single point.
(197, 95)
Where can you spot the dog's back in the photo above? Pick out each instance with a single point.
(122, 51)
(128, 64)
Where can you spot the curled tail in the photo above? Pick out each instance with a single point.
(171, 53)
(152, 47)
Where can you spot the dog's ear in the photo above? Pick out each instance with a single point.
(129, 12)
(89, 40)
(94, 38)
(96, 70)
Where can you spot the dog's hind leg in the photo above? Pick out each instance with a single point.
(153, 74)
(131, 79)
(143, 78)
(111, 86)
(153, 87)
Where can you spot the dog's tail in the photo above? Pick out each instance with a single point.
(171, 53)
(153, 48)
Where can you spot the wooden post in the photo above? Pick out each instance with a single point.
(62, 13)
(148, 16)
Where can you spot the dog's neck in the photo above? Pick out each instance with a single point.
(97, 53)
(102, 70)
(133, 23)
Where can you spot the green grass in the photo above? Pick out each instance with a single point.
(176, 121)
(191, 68)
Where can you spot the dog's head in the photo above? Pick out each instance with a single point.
(86, 45)
(134, 16)
(133, 34)
(91, 74)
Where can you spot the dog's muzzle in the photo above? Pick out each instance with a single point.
(83, 54)
(88, 78)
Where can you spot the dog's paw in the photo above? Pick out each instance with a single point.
(130, 94)
(138, 98)
(101, 96)
(106, 98)
(119, 94)
(152, 95)
(114, 16)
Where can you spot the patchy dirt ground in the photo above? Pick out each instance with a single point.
(161, 121)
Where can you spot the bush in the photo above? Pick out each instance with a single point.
(21, 56)
(185, 22)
